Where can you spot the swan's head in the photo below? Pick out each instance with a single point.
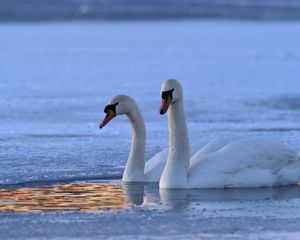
(118, 105)
(171, 91)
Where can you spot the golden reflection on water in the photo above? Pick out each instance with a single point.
(64, 197)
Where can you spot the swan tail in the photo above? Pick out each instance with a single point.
(290, 174)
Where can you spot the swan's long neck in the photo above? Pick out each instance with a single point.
(134, 170)
(175, 171)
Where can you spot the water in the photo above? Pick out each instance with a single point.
(101, 210)
(99, 196)
(240, 79)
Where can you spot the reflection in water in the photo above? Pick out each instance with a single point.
(141, 194)
(181, 197)
(150, 194)
(134, 193)
(64, 197)
(108, 196)
(244, 194)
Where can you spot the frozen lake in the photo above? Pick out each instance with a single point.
(240, 79)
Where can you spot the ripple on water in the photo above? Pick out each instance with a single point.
(281, 102)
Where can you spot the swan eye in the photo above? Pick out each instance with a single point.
(111, 107)
(165, 94)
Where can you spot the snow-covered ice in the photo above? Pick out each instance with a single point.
(239, 78)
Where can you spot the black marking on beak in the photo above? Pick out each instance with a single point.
(165, 94)
(111, 107)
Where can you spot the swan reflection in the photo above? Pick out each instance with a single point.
(150, 194)
(223, 195)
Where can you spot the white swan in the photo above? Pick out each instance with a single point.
(240, 163)
(136, 170)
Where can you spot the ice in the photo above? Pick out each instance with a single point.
(240, 79)
(57, 77)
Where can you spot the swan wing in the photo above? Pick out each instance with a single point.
(245, 163)
(155, 165)
(211, 147)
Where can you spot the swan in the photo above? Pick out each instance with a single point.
(136, 170)
(232, 164)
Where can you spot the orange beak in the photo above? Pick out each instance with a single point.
(164, 106)
(109, 116)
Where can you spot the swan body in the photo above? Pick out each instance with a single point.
(155, 165)
(221, 163)
(245, 163)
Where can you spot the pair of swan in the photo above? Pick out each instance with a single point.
(222, 163)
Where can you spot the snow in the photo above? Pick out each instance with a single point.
(240, 79)
(56, 79)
